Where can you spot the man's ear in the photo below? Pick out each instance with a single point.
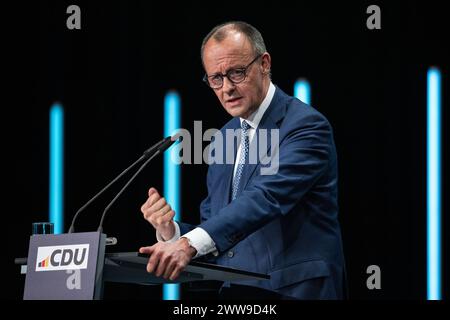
(266, 63)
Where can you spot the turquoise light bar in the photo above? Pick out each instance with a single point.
(302, 90)
(434, 184)
(56, 168)
(172, 172)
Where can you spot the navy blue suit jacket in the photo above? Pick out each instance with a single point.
(286, 224)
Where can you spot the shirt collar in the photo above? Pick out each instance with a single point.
(254, 119)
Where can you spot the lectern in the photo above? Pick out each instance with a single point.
(75, 266)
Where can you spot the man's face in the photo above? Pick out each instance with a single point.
(235, 51)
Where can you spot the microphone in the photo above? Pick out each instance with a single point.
(150, 151)
(162, 147)
(147, 154)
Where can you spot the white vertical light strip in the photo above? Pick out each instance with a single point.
(172, 172)
(434, 275)
(302, 90)
(56, 168)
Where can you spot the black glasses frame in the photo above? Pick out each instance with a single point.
(227, 74)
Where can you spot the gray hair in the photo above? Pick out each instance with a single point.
(220, 32)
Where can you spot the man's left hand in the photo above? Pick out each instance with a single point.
(169, 259)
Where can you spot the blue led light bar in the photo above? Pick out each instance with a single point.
(172, 172)
(56, 168)
(434, 184)
(302, 90)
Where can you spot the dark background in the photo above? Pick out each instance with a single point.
(111, 77)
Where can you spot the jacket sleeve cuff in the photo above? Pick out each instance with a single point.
(201, 241)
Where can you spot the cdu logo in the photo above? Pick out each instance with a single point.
(68, 257)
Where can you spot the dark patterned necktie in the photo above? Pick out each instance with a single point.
(243, 157)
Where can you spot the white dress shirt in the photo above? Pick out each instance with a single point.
(199, 238)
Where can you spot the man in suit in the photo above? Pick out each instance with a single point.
(284, 224)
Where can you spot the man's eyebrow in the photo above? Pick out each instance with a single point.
(228, 70)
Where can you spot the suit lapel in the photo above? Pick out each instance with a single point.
(270, 120)
(258, 149)
(274, 113)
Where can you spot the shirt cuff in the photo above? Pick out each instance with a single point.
(175, 237)
(201, 241)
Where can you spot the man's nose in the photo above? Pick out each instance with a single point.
(228, 86)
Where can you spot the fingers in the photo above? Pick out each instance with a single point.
(167, 218)
(169, 269)
(154, 203)
(167, 260)
(151, 199)
(158, 205)
(153, 196)
(162, 265)
(153, 261)
(147, 250)
(152, 191)
(156, 210)
(179, 267)
(159, 214)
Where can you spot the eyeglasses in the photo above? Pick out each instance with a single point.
(234, 75)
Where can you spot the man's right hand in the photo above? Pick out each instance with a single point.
(159, 213)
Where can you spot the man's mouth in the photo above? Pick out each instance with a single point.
(233, 100)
